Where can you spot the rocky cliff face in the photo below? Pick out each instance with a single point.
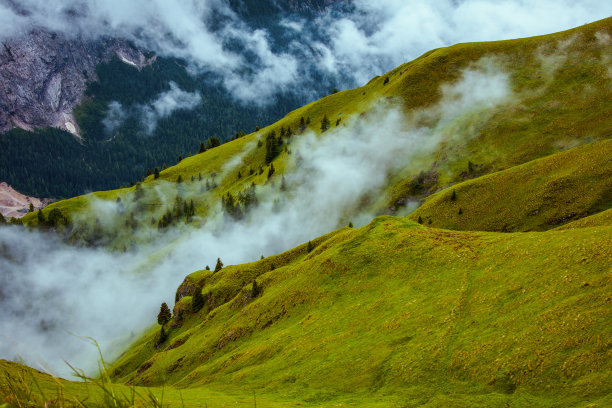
(15, 204)
(44, 75)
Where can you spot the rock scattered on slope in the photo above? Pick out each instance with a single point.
(15, 204)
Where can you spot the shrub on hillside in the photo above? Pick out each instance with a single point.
(164, 314)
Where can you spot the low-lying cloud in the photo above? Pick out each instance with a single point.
(115, 116)
(378, 36)
(50, 290)
(150, 113)
(166, 103)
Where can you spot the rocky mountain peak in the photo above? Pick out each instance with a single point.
(43, 75)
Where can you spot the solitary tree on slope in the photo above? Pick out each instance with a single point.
(219, 265)
(164, 315)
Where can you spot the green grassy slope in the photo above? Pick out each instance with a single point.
(600, 219)
(401, 314)
(537, 195)
(561, 87)
(22, 386)
(391, 314)
(395, 311)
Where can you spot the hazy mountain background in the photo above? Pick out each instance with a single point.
(142, 82)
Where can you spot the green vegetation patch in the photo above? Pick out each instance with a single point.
(398, 309)
(538, 195)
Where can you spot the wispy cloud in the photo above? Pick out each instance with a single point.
(378, 36)
(166, 103)
(150, 113)
(50, 290)
(255, 63)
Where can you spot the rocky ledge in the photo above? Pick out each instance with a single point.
(15, 204)
(43, 76)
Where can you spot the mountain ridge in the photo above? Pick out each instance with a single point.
(396, 312)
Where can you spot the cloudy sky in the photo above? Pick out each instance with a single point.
(353, 43)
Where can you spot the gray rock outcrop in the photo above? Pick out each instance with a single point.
(43, 76)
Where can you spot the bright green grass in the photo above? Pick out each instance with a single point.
(537, 195)
(41, 389)
(398, 312)
(562, 90)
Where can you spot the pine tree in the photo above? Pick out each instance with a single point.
(164, 315)
(180, 159)
(213, 142)
(273, 146)
(41, 217)
(350, 224)
(163, 336)
(219, 265)
(420, 220)
(460, 211)
(138, 192)
(197, 301)
(56, 217)
(302, 124)
(271, 170)
(256, 290)
(309, 247)
(202, 148)
(470, 167)
(149, 172)
(454, 196)
(179, 179)
(31, 209)
(324, 124)
(156, 173)
(207, 268)
(2, 219)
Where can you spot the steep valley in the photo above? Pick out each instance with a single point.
(440, 236)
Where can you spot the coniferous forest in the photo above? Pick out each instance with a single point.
(58, 165)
